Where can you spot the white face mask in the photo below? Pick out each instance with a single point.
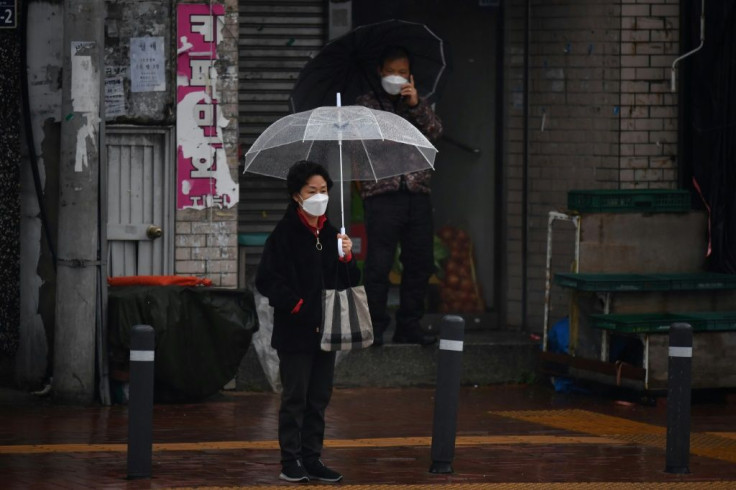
(315, 205)
(392, 83)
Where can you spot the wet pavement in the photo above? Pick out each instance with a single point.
(511, 436)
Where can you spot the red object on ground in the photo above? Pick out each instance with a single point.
(158, 281)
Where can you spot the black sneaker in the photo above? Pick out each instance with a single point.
(294, 472)
(318, 471)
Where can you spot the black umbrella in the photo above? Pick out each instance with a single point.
(349, 64)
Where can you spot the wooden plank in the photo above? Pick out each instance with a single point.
(608, 368)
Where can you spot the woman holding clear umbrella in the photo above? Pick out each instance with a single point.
(299, 260)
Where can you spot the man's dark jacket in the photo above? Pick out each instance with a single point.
(291, 269)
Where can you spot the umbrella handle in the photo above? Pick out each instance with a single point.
(339, 243)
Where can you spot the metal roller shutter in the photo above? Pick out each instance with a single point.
(276, 39)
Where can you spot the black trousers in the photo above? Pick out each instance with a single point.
(306, 378)
(403, 218)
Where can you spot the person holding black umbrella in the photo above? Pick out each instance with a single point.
(398, 210)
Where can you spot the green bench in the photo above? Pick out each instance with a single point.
(696, 281)
(643, 325)
(708, 321)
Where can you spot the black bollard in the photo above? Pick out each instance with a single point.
(449, 369)
(140, 402)
(679, 379)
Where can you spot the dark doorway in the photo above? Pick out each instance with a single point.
(464, 183)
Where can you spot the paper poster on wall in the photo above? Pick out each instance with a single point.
(85, 94)
(147, 64)
(114, 97)
(203, 176)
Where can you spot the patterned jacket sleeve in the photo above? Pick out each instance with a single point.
(367, 100)
(426, 120)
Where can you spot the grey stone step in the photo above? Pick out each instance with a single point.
(490, 356)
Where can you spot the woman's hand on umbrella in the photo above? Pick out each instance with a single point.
(410, 92)
(347, 245)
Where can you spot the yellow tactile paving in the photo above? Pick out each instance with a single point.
(337, 443)
(715, 485)
(727, 435)
(585, 421)
(720, 446)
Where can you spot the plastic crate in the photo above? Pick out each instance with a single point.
(700, 281)
(629, 201)
(645, 322)
(612, 282)
(714, 321)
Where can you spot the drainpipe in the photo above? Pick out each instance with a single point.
(673, 71)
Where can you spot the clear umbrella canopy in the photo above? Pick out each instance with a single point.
(352, 142)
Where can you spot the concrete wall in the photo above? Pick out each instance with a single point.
(206, 240)
(600, 117)
(128, 19)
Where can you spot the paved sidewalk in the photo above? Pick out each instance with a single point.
(508, 437)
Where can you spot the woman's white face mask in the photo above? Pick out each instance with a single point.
(315, 205)
(392, 84)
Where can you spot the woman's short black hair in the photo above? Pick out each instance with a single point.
(394, 52)
(301, 172)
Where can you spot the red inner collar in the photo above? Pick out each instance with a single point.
(320, 221)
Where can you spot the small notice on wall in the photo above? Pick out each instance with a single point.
(114, 97)
(147, 73)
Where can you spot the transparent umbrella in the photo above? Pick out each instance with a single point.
(372, 144)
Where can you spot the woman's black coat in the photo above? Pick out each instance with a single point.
(291, 269)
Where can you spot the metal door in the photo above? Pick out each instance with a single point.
(276, 39)
(140, 201)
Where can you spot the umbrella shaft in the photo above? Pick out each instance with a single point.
(342, 200)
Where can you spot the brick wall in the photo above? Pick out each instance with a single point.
(600, 116)
(649, 45)
(207, 241)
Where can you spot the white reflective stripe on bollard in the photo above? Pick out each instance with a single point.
(456, 345)
(681, 352)
(142, 355)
